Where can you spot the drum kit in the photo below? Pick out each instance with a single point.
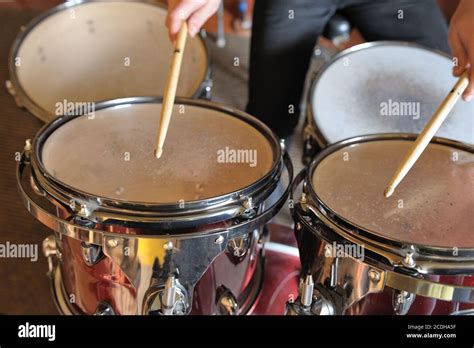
(189, 234)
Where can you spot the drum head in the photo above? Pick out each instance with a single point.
(387, 88)
(103, 50)
(432, 206)
(207, 153)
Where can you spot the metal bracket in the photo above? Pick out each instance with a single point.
(12, 91)
(147, 260)
(402, 301)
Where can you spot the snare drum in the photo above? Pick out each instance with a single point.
(88, 51)
(137, 235)
(412, 253)
(382, 87)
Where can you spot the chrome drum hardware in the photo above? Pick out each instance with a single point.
(363, 268)
(153, 256)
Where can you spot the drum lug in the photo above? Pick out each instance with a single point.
(81, 217)
(226, 303)
(11, 90)
(27, 149)
(208, 89)
(248, 209)
(239, 246)
(283, 145)
(310, 147)
(402, 301)
(409, 261)
(311, 301)
(84, 211)
(91, 253)
(51, 252)
(408, 264)
(322, 305)
(104, 308)
(170, 299)
(205, 92)
(308, 131)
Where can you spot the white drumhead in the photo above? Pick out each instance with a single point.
(387, 88)
(207, 153)
(104, 50)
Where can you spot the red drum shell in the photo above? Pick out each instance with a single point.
(86, 286)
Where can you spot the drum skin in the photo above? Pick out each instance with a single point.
(374, 109)
(86, 286)
(121, 61)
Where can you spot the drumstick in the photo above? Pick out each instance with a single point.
(428, 132)
(170, 88)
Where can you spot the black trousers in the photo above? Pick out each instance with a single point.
(285, 31)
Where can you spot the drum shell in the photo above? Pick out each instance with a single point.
(314, 261)
(87, 286)
(211, 224)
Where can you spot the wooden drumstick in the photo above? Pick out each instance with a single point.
(170, 89)
(428, 132)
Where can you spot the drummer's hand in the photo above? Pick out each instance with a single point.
(461, 39)
(195, 12)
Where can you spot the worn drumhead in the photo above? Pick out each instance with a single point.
(207, 153)
(387, 88)
(433, 205)
(103, 50)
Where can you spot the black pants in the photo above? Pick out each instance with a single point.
(285, 31)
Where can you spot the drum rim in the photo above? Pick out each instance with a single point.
(357, 231)
(52, 185)
(319, 136)
(28, 101)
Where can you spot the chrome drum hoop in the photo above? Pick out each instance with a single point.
(166, 216)
(23, 100)
(429, 259)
